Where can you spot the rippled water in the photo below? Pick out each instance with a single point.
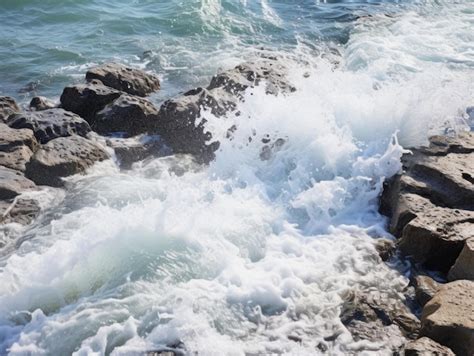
(235, 257)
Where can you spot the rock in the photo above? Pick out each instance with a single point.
(63, 157)
(16, 147)
(385, 249)
(88, 99)
(464, 266)
(21, 211)
(425, 347)
(8, 106)
(448, 318)
(13, 183)
(425, 289)
(50, 124)
(129, 80)
(131, 150)
(40, 103)
(128, 114)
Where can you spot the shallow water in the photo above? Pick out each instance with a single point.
(235, 257)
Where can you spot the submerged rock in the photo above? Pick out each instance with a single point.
(88, 99)
(40, 103)
(8, 106)
(464, 266)
(120, 77)
(50, 124)
(425, 346)
(448, 318)
(63, 157)
(16, 147)
(21, 211)
(13, 183)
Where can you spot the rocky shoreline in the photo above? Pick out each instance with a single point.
(430, 204)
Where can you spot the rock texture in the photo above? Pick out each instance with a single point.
(40, 103)
(8, 106)
(13, 183)
(425, 289)
(21, 211)
(123, 78)
(464, 266)
(426, 347)
(448, 318)
(129, 151)
(50, 124)
(16, 147)
(63, 157)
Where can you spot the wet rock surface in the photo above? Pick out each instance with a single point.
(16, 147)
(40, 103)
(132, 150)
(123, 78)
(50, 124)
(425, 289)
(425, 346)
(21, 211)
(13, 183)
(8, 106)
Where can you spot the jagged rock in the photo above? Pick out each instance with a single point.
(50, 124)
(366, 316)
(8, 106)
(426, 347)
(431, 235)
(128, 114)
(448, 318)
(129, 151)
(21, 211)
(13, 183)
(385, 249)
(88, 99)
(16, 147)
(425, 289)
(464, 266)
(63, 157)
(40, 103)
(120, 77)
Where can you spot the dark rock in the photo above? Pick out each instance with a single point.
(464, 266)
(385, 249)
(13, 183)
(50, 124)
(21, 211)
(128, 114)
(448, 318)
(425, 346)
(8, 106)
(16, 147)
(40, 103)
(63, 157)
(88, 99)
(129, 151)
(425, 289)
(129, 80)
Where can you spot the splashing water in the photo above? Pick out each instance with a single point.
(248, 254)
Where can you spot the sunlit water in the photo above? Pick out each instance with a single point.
(232, 258)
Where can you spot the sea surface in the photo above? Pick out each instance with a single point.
(245, 256)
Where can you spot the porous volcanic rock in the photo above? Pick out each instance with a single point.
(13, 183)
(8, 106)
(50, 124)
(123, 78)
(448, 318)
(21, 211)
(40, 103)
(63, 157)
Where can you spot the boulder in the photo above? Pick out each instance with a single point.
(464, 266)
(88, 99)
(21, 211)
(448, 318)
(123, 78)
(63, 157)
(131, 150)
(425, 347)
(128, 114)
(40, 103)
(425, 289)
(13, 183)
(8, 106)
(50, 124)
(16, 147)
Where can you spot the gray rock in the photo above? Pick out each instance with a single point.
(50, 124)
(425, 289)
(40, 103)
(448, 318)
(131, 150)
(120, 77)
(16, 147)
(88, 99)
(13, 183)
(8, 106)
(63, 157)
(21, 211)
(464, 266)
(128, 114)
(385, 248)
(426, 347)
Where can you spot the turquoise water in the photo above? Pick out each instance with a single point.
(244, 256)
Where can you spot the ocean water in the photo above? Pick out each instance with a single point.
(233, 258)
